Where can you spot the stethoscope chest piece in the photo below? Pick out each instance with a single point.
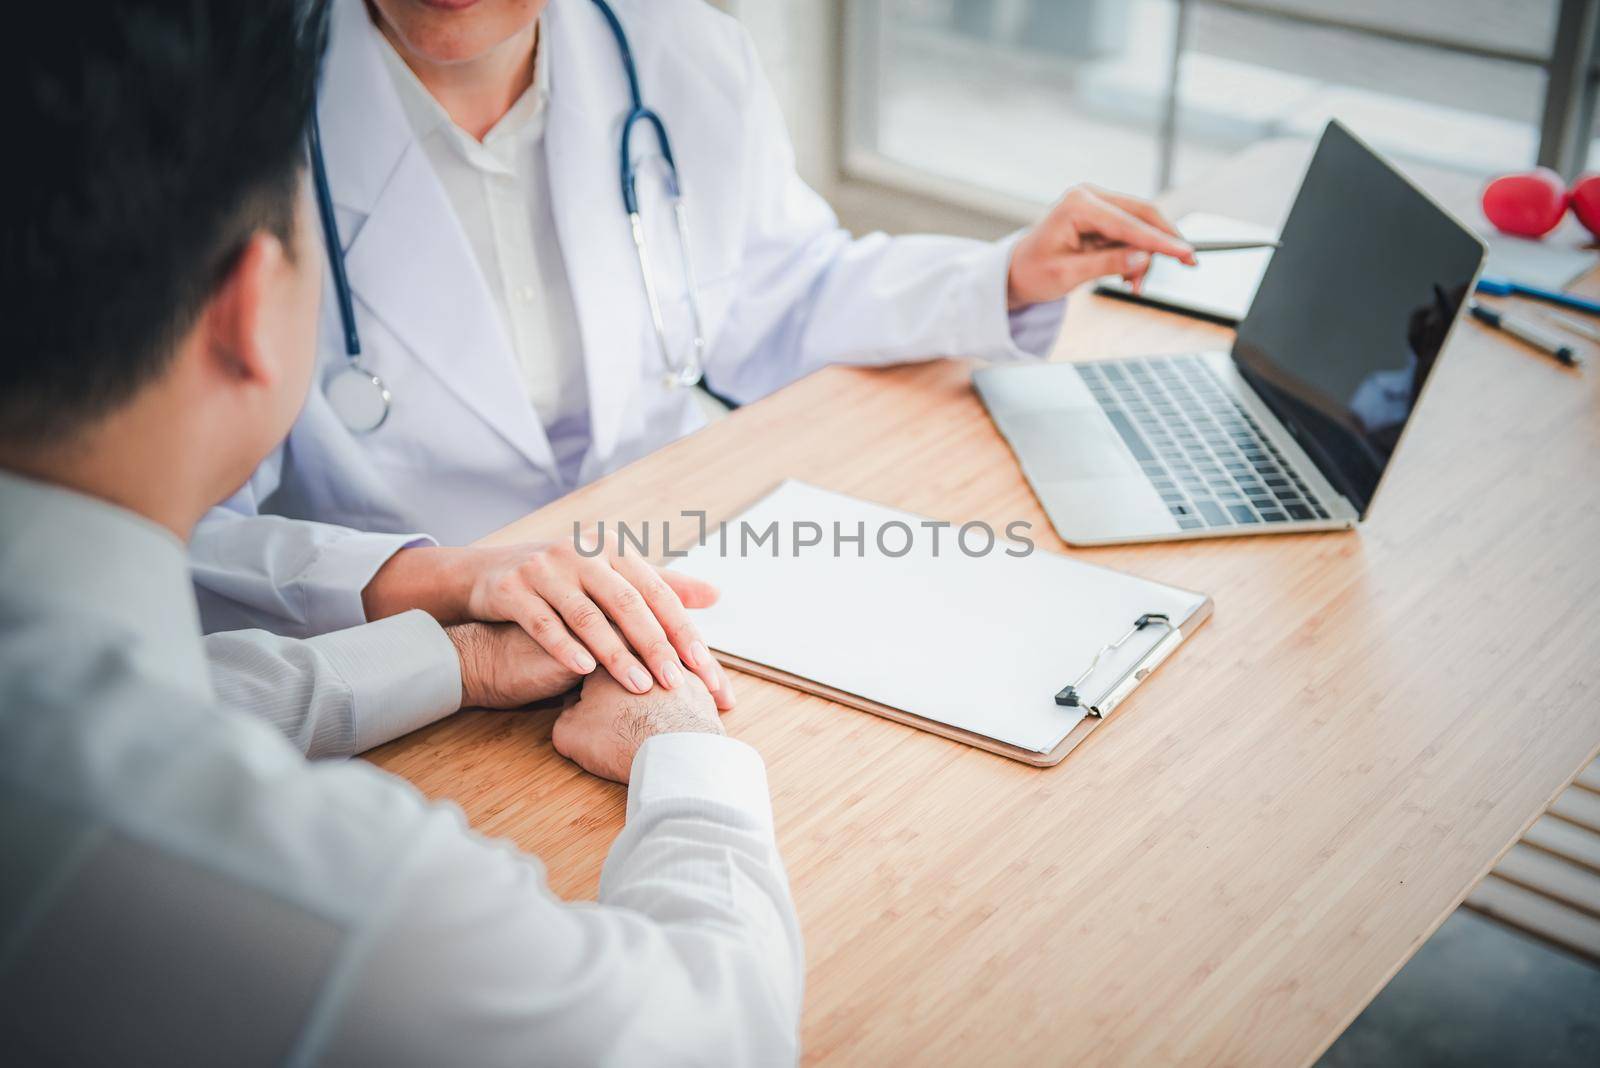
(358, 397)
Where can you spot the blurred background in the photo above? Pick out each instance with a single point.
(971, 115)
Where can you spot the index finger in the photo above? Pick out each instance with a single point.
(1109, 220)
(1142, 209)
(663, 600)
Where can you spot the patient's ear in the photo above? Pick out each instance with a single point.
(235, 329)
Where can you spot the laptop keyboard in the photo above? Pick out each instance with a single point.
(1203, 452)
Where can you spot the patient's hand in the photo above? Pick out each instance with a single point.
(501, 667)
(603, 731)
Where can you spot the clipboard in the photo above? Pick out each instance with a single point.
(1083, 682)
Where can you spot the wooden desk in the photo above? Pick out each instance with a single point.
(1258, 840)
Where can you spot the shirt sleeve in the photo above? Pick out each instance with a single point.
(343, 693)
(291, 576)
(692, 955)
(1033, 329)
(197, 876)
(811, 294)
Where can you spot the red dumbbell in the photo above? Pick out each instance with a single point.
(1584, 196)
(1529, 204)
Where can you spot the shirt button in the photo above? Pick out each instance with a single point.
(525, 294)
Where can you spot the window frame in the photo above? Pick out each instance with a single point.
(1567, 111)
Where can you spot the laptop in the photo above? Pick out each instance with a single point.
(1294, 428)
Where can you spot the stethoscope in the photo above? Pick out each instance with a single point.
(360, 399)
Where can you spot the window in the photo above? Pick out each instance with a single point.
(1000, 104)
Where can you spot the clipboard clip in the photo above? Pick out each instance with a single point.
(1069, 697)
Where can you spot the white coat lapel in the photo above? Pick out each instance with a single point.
(409, 262)
(588, 102)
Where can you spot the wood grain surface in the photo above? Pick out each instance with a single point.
(1231, 868)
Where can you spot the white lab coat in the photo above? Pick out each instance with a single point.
(783, 290)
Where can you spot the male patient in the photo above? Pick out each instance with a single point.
(179, 884)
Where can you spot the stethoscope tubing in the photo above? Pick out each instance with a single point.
(330, 236)
(679, 373)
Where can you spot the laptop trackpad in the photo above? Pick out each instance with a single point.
(1069, 444)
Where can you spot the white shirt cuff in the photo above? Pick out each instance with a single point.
(702, 768)
(997, 333)
(341, 569)
(1034, 328)
(403, 673)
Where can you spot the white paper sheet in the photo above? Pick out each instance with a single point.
(981, 643)
(1553, 263)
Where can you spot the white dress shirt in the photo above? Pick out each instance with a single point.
(181, 886)
(500, 190)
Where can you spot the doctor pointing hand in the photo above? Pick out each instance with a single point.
(1090, 233)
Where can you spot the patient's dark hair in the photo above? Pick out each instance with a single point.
(150, 140)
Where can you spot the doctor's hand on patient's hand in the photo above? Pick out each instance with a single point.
(613, 608)
(1089, 233)
(603, 731)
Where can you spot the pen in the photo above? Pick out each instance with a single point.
(1233, 246)
(1502, 287)
(1577, 326)
(1523, 330)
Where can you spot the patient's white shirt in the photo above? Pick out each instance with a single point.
(181, 885)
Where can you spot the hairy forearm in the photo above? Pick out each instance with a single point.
(664, 712)
(436, 579)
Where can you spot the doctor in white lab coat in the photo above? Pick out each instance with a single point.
(499, 299)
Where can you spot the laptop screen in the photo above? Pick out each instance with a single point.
(1353, 309)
